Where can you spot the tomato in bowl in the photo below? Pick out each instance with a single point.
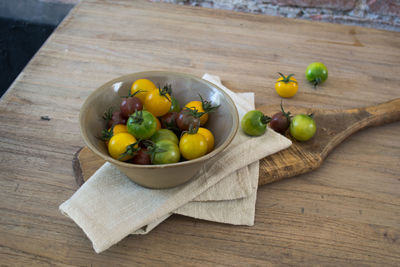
(223, 123)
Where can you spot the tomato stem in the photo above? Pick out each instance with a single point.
(165, 91)
(207, 105)
(194, 112)
(137, 117)
(131, 150)
(152, 149)
(107, 116)
(193, 129)
(134, 94)
(265, 119)
(107, 134)
(286, 79)
(286, 114)
(316, 82)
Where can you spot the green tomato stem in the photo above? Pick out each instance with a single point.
(286, 79)
(265, 119)
(286, 114)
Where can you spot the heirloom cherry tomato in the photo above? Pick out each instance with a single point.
(254, 123)
(141, 157)
(186, 118)
(113, 118)
(209, 138)
(168, 121)
(286, 86)
(192, 144)
(117, 118)
(116, 129)
(144, 86)
(316, 73)
(158, 101)
(122, 146)
(129, 105)
(302, 127)
(164, 152)
(280, 121)
(142, 124)
(164, 134)
(202, 106)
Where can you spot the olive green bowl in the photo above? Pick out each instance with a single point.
(223, 123)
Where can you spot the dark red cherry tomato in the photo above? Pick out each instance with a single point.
(186, 118)
(168, 121)
(129, 105)
(141, 157)
(280, 121)
(116, 118)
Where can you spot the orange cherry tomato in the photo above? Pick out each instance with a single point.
(158, 102)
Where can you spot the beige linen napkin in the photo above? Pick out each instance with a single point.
(109, 206)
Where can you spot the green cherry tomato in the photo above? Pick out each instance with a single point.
(175, 107)
(166, 152)
(254, 123)
(164, 134)
(302, 127)
(316, 73)
(141, 124)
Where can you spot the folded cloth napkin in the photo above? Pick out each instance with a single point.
(109, 206)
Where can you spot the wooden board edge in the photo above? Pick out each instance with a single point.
(77, 168)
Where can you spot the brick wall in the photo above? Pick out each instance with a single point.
(381, 14)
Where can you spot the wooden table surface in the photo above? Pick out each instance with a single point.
(345, 213)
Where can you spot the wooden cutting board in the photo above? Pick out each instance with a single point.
(333, 126)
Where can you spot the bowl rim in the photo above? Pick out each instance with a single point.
(108, 158)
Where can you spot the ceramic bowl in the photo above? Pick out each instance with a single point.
(223, 123)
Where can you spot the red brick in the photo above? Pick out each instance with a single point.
(384, 7)
(340, 5)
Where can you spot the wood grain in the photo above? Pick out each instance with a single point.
(333, 127)
(346, 212)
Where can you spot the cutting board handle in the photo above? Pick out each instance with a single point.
(384, 113)
(361, 118)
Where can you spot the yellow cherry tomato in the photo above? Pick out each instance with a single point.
(144, 86)
(202, 106)
(199, 107)
(286, 86)
(120, 144)
(158, 102)
(116, 129)
(192, 145)
(209, 138)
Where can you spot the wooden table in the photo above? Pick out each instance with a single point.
(345, 213)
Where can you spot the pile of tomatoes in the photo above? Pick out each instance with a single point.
(151, 128)
(302, 127)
